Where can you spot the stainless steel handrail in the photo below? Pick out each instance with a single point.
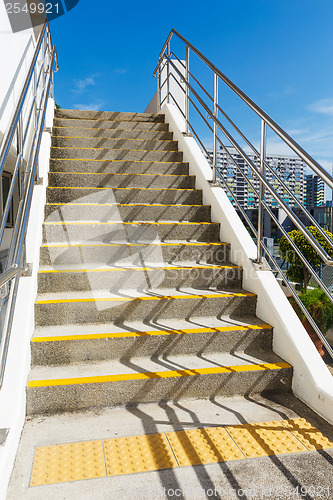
(166, 60)
(35, 92)
(264, 116)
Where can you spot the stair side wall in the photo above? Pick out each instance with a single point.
(13, 392)
(312, 381)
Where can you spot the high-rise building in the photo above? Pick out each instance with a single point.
(288, 168)
(314, 191)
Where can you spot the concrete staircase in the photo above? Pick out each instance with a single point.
(137, 298)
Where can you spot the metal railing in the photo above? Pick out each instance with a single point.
(22, 141)
(196, 98)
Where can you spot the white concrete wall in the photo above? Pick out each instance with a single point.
(312, 382)
(16, 52)
(12, 394)
(175, 89)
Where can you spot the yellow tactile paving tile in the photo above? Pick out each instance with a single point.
(264, 439)
(151, 452)
(203, 446)
(305, 432)
(138, 454)
(68, 462)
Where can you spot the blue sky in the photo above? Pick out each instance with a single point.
(279, 52)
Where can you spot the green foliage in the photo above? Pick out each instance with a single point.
(319, 307)
(297, 271)
(57, 106)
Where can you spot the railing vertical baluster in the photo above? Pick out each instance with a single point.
(187, 89)
(168, 74)
(216, 97)
(261, 191)
(159, 87)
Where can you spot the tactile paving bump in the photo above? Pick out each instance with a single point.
(308, 434)
(68, 462)
(138, 454)
(264, 439)
(203, 446)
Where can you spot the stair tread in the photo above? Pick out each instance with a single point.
(148, 365)
(161, 293)
(136, 327)
(90, 266)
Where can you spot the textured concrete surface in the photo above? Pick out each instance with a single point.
(132, 231)
(139, 167)
(109, 115)
(115, 154)
(102, 123)
(134, 253)
(121, 342)
(114, 143)
(110, 278)
(119, 310)
(307, 475)
(121, 180)
(129, 212)
(148, 135)
(124, 195)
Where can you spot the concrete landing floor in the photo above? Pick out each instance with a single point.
(308, 474)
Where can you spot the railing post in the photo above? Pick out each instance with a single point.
(168, 73)
(186, 89)
(216, 97)
(261, 191)
(159, 86)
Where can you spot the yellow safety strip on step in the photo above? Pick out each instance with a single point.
(121, 173)
(153, 452)
(119, 129)
(101, 379)
(115, 269)
(123, 205)
(68, 245)
(132, 188)
(100, 119)
(162, 297)
(113, 160)
(150, 333)
(119, 149)
(107, 138)
(187, 243)
(131, 223)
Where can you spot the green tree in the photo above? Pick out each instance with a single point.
(297, 271)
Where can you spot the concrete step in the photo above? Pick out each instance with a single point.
(82, 153)
(100, 306)
(109, 115)
(102, 123)
(102, 180)
(134, 254)
(112, 166)
(69, 194)
(131, 232)
(114, 143)
(109, 383)
(114, 279)
(112, 133)
(126, 212)
(68, 344)
(287, 472)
